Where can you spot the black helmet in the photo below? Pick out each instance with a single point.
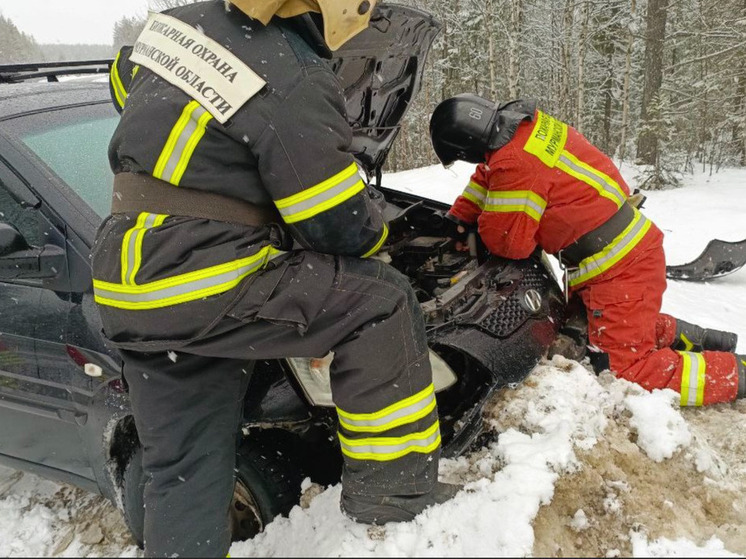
(463, 128)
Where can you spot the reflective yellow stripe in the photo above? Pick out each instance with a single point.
(116, 83)
(176, 131)
(688, 346)
(127, 254)
(617, 249)
(131, 256)
(523, 201)
(547, 140)
(693, 379)
(379, 244)
(479, 202)
(322, 197)
(157, 222)
(405, 411)
(384, 449)
(421, 395)
(182, 288)
(478, 187)
(476, 194)
(424, 411)
(191, 145)
(181, 143)
(601, 182)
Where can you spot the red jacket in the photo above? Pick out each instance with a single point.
(548, 186)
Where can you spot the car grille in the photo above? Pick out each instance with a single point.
(510, 315)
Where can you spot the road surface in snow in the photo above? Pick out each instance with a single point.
(584, 465)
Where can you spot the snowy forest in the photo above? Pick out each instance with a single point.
(657, 82)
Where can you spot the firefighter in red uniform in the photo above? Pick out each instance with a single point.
(242, 230)
(539, 182)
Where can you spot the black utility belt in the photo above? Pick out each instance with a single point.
(598, 239)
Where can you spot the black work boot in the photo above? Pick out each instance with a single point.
(393, 508)
(690, 337)
(741, 359)
(718, 340)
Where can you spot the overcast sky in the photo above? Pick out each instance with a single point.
(70, 21)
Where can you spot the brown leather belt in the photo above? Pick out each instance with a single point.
(596, 240)
(135, 193)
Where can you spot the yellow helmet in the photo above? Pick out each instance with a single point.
(343, 19)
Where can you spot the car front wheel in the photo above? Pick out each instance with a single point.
(267, 485)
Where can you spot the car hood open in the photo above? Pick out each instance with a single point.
(381, 72)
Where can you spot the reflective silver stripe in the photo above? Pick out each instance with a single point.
(614, 251)
(391, 448)
(601, 181)
(693, 379)
(322, 198)
(181, 144)
(525, 202)
(183, 288)
(132, 246)
(479, 196)
(396, 418)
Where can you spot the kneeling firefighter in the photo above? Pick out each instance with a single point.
(241, 230)
(539, 182)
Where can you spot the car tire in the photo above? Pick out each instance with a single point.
(133, 483)
(267, 485)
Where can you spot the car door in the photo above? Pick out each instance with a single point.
(62, 154)
(38, 415)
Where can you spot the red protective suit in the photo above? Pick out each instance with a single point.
(548, 186)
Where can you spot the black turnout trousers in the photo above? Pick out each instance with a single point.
(188, 404)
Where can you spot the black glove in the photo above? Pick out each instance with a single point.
(457, 229)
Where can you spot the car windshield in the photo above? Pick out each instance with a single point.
(76, 152)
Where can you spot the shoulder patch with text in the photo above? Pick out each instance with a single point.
(199, 66)
(547, 139)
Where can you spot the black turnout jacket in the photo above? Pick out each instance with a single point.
(159, 276)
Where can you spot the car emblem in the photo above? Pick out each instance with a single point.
(532, 300)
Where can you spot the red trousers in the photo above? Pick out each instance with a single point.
(624, 321)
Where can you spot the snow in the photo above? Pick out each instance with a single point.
(579, 522)
(678, 548)
(584, 464)
(661, 430)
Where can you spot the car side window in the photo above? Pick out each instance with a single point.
(23, 219)
(75, 147)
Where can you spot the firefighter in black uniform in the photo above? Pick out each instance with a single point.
(241, 230)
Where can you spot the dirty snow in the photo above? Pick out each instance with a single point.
(584, 465)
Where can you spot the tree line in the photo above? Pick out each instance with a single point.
(17, 47)
(656, 82)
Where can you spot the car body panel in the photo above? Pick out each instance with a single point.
(380, 71)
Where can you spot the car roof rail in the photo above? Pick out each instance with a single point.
(16, 73)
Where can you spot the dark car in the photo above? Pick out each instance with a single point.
(64, 408)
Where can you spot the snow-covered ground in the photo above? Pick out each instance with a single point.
(584, 465)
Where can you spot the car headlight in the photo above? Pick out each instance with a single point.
(314, 379)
